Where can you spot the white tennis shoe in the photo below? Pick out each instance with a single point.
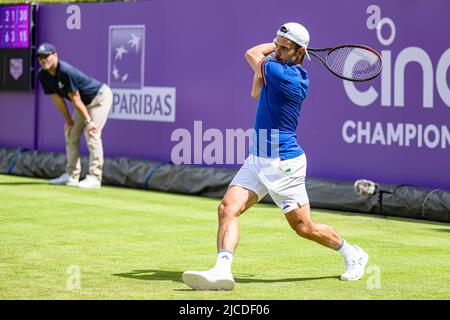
(90, 182)
(209, 280)
(355, 265)
(64, 179)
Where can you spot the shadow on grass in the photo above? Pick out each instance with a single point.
(175, 276)
(152, 275)
(442, 230)
(23, 183)
(378, 217)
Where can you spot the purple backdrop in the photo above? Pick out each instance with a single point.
(197, 47)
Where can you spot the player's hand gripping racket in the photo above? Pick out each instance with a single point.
(351, 62)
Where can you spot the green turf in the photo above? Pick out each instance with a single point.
(135, 244)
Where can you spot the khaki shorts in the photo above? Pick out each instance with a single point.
(284, 180)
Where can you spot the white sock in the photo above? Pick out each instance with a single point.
(346, 249)
(224, 260)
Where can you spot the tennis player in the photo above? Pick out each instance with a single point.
(277, 164)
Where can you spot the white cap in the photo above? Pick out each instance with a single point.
(296, 33)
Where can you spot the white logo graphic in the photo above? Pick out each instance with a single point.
(16, 68)
(126, 62)
(74, 280)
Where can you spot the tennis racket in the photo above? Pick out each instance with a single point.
(351, 62)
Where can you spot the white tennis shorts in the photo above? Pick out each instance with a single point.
(284, 180)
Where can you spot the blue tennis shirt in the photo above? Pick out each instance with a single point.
(281, 97)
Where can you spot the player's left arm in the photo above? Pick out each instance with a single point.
(256, 56)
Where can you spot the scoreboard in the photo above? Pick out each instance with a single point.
(17, 47)
(15, 26)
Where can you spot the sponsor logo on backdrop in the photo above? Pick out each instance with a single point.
(392, 94)
(15, 68)
(132, 100)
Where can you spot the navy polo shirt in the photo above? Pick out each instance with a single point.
(69, 79)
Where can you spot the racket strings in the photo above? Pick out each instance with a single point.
(354, 63)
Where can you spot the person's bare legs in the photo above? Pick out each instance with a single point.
(236, 201)
(355, 258)
(300, 221)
